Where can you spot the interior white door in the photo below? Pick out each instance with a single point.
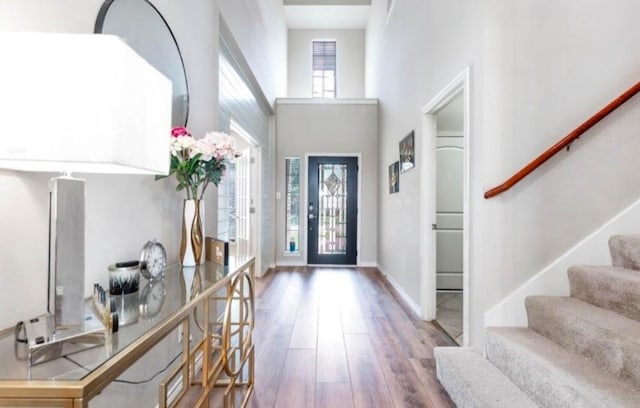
(449, 212)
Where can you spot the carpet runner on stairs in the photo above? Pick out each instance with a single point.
(578, 351)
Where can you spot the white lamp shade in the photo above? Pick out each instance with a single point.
(81, 103)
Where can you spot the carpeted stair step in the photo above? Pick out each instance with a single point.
(612, 288)
(611, 341)
(473, 382)
(552, 376)
(625, 251)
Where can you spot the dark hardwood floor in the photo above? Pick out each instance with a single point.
(336, 337)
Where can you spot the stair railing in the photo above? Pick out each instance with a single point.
(564, 142)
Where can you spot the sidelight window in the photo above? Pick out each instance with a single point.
(292, 204)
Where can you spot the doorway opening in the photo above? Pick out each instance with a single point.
(445, 209)
(332, 210)
(238, 210)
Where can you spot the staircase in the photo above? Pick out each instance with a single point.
(578, 351)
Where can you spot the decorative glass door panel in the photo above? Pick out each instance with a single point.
(332, 210)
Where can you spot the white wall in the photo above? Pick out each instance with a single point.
(328, 128)
(553, 279)
(424, 46)
(538, 68)
(350, 52)
(123, 212)
(260, 30)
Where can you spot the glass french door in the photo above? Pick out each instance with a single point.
(243, 203)
(332, 210)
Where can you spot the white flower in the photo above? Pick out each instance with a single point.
(194, 175)
(204, 147)
(180, 144)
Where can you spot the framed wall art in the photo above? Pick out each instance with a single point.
(407, 153)
(394, 178)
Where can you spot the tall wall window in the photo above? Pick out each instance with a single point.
(324, 69)
(292, 205)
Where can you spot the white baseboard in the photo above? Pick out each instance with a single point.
(553, 279)
(302, 263)
(291, 263)
(403, 294)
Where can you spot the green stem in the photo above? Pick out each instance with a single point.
(194, 191)
(204, 187)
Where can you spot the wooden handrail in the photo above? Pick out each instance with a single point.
(564, 142)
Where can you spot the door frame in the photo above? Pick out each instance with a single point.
(255, 175)
(460, 85)
(304, 173)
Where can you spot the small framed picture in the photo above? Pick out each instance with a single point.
(407, 153)
(394, 178)
(217, 251)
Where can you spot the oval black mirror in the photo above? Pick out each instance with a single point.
(142, 26)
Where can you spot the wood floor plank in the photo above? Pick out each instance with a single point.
(287, 309)
(401, 326)
(367, 380)
(354, 325)
(366, 351)
(405, 388)
(367, 282)
(425, 370)
(329, 319)
(273, 291)
(271, 355)
(410, 338)
(263, 283)
(305, 330)
(334, 395)
(297, 388)
(332, 365)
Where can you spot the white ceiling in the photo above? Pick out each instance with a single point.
(325, 17)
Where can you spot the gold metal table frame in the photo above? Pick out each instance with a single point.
(224, 355)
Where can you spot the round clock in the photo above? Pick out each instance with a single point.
(153, 260)
(152, 298)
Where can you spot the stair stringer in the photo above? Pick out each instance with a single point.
(552, 280)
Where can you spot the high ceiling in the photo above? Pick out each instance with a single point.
(327, 14)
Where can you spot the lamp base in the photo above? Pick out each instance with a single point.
(44, 342)
(66, 253)
(66, 328)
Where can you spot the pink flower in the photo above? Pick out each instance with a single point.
(179, 131)
(212, 150)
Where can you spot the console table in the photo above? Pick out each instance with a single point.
(204, 313)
